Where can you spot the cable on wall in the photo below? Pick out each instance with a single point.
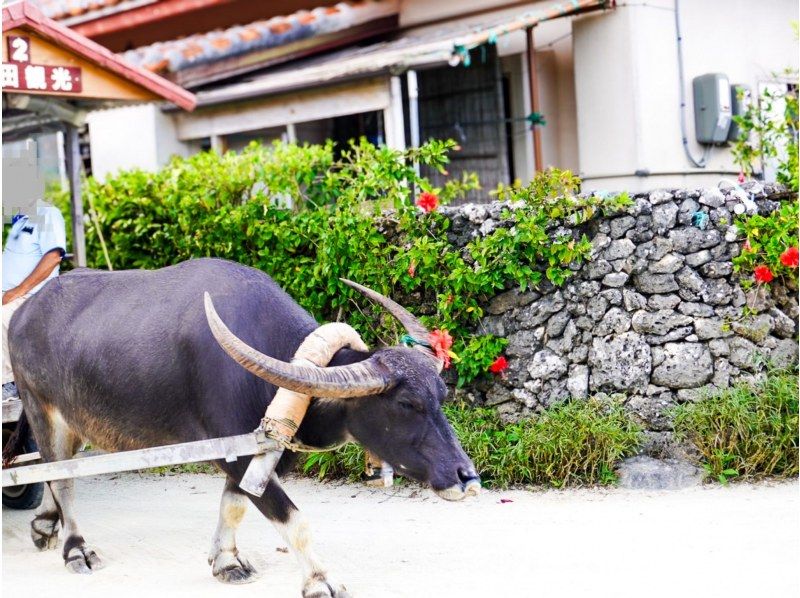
(701, 163)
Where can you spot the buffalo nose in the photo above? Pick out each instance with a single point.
(467, 474)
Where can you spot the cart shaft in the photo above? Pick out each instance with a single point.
(229, 448)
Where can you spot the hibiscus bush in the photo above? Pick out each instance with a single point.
(770, 249)
(769, 138)
(308, 215)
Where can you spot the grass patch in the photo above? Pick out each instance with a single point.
(346, 462)
(574, 443)
(746, 431)
(570, 444)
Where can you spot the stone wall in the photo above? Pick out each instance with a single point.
(656, 314)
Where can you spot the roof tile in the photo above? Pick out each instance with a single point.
(202, 48)
(62, 9)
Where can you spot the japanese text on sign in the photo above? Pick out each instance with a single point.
(20, 74)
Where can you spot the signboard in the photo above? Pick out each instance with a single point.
(22, 75)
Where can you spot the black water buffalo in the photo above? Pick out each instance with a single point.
(126, 360)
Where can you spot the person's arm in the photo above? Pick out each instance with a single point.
(42, 270)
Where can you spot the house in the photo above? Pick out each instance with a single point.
(605, 99)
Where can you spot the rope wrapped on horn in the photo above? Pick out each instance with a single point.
(287, 409)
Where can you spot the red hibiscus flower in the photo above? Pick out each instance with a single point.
(763, 274)
(441, 341)
(427, 201)
(499, 365)
(790, 258)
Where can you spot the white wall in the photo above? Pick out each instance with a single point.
(626, 78)
(132, 137)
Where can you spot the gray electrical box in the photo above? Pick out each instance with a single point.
(712, 108)
(741, 99)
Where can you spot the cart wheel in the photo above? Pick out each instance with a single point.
(27, 496)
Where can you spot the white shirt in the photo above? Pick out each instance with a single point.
(29, 239)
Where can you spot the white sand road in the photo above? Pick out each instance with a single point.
(153, 533)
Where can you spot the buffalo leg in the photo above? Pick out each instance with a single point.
(78, 557)
(57, 442)
(295, 531)
(227, 564)
(45, 524)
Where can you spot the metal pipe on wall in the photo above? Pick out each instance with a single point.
(533, 84)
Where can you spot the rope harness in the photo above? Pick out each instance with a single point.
(293, 445)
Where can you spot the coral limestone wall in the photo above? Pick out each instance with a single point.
(657, 313)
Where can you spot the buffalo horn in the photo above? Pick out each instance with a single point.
(356, 380)
(412, 325)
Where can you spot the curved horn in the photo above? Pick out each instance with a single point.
(409, 321)
(356, 380)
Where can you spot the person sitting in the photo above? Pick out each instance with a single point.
(34, 248)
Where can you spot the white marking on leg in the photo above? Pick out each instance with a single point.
(48, 505)
(64, 493)
(232, 508)
(227, 564)
(296, 532)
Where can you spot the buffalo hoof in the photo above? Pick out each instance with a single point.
(233, 569)
(318, 587)
(83, 560)
(44, 532)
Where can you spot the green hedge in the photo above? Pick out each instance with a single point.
(308, 217)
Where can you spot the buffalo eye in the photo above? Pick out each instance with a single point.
(409, 406)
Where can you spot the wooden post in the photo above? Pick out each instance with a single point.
(219, 144)
(533, 84)
(393, 116)
(413, 111)
(291, 133)
(72, 154)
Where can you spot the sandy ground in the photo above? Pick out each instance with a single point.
(154, 532)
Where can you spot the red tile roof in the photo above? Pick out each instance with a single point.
(203, 48)
(26, 15)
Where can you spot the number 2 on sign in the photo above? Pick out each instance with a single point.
(19, 47)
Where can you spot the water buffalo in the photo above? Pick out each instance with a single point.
(126, 360)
